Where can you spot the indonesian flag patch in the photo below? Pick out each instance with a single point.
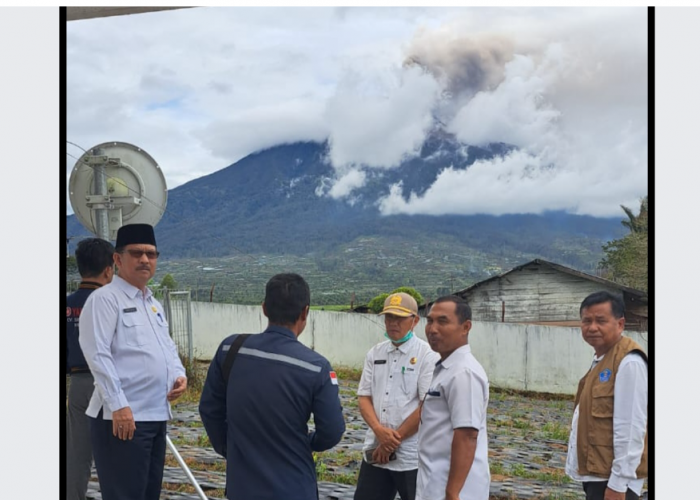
(334, 378)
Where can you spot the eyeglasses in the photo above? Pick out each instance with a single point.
(137, 254)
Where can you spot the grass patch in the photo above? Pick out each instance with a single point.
(540, 396)
(201, 442)
(555, 431)
(193, 424)
(194, 464)
(548, 475)
(348, 373)
(327, 462)
(561, 405)
(565, 495)
(196, 372)
(497, 468)
(348, 392)
(189, 489)
(524, 425)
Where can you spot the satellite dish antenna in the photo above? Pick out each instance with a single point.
(116, 183)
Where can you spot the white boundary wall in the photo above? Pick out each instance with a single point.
(515, 356)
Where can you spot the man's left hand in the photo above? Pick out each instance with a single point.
(613, 495)
(178, 388)
(381, 454)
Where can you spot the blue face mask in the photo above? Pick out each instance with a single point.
(405, 338)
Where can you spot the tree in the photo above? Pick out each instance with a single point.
(411, 291)
(168, 282)
(377, 304)
(71, 265)
(626, 259)
(637, 223)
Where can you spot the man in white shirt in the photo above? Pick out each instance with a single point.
(452, 440)
(608, 440)
(124, 337)
(395, 378)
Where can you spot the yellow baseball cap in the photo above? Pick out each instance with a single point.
(400, 304)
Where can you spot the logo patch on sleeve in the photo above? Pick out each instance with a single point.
(334, 378)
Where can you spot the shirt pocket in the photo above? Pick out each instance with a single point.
(134, 330)
(162, 322)
(409, 383)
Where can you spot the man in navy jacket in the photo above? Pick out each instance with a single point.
(257, 418)
(95, 260)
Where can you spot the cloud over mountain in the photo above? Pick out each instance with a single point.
(202, 88)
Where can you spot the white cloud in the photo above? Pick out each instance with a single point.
(344, 186)
(573, 96)
(262, 127)
(378, 123)
(201, 88)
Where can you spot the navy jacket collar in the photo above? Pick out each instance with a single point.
(281, 330)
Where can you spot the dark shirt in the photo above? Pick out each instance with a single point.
(75, 361)
(259, 422)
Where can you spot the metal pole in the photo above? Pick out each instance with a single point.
(187, 470)
(190, 335)
(99, 187)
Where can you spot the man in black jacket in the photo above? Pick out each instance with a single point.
(95, 259)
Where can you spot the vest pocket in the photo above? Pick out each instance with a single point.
(599, 460)
(602, 400)
(602, 407)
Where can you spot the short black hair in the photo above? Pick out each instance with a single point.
(286, 297)
(462, 309)
(617, 304)
(93, 255)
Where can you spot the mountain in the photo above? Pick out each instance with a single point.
(267, 203)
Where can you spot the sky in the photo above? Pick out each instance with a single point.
(201, 88)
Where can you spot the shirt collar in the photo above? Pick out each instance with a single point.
(89, 285)
(405, 347)
(130, 290)
(455, 356)
(281, 330)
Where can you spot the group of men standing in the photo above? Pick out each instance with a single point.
(425, 404)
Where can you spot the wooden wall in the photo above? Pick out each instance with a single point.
(534, 294)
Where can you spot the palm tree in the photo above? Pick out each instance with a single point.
(637, 223)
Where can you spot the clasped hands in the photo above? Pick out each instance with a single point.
(389, 441)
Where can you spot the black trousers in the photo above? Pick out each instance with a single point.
(595, 490)
(132, 469)
(377, 483)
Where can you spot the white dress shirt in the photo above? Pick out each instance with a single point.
(397, 379)
(124, 337)
(629, 427)
(458, 397)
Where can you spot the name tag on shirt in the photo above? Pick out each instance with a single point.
(434, 393)
(380, 361)
(129, 310)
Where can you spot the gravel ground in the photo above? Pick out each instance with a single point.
(527, 451)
